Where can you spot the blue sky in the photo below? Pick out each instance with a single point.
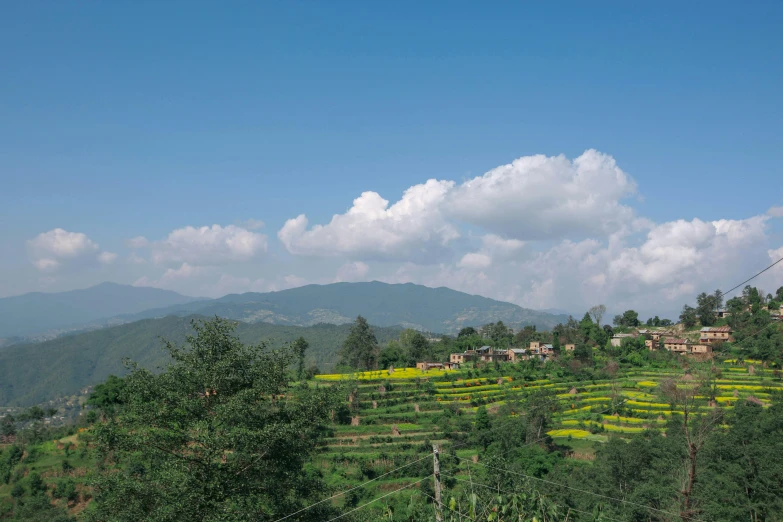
(125, 119)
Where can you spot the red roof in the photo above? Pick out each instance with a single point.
(675, 341)
(726, 329)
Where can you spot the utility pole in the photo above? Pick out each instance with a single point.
(436, 474)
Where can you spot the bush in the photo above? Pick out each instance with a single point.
(66, 488)
(17, 491)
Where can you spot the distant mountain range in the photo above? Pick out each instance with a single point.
(124, 321)
(439, 310)
(39, 316)
(49, 314)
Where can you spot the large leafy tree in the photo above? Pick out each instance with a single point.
(706, 305)
(416, 345)
(300, 346)
(688, 316)
(219, 435)
(360, 347)
(629, 318)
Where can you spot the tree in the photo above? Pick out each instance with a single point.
(468, 331)
(705, 309)
(108, 394)
(392, 355)
(8, 425)
(360, 347)
(416, 345)
(718, 298)
(688, 316)
(525, 335)
(597, 312)
(779, 294)
(300, 346)
(219, 435)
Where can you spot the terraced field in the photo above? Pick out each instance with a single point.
(395, 419)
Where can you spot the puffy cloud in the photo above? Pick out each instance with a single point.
(775, 212)
(350, 272)
(136, 259)
(107, 258)
(61, 244)
(52, 250)
(682, 250)
(654, 274)
(215, 245)
(171, 276)
(413, 227)
(534, 197)
(493, 249)
(137, 242)
(202, 281)
(475, 260)
(46, 264)
(540, 197)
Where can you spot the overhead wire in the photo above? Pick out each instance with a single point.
(613, 499)
(533, 442)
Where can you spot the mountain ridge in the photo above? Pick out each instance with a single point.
(441, 309)
(42, 313)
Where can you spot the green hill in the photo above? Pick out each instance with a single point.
(439, 310)
(40, 313)
(33, 373)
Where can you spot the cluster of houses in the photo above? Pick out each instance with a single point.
(536, 350)
(708, 337)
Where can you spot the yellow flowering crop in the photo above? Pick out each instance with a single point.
(577, 434)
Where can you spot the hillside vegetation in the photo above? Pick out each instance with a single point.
(34, 373)
(659, 439)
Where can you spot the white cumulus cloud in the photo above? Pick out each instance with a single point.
(541, 197)
(56, 248)
(107, 258)
(413, 227)
(215, 245)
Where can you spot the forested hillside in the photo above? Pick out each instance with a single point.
(33, 373)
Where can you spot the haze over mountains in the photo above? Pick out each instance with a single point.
(39, 313)
(128, 322)
(440, 310)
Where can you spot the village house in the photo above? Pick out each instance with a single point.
(650, 344)
(517, 354)
(697, 349)
(569, 347)
(489, 354)
(676, 345)
(426, 366)
(617, 339)
(461, 358)
(721, 334)
(722, 314)
(541, 351)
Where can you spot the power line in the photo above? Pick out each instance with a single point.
(576, 489)
(510, 493)
(754, 277)
(352, 489)
(379, 498)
